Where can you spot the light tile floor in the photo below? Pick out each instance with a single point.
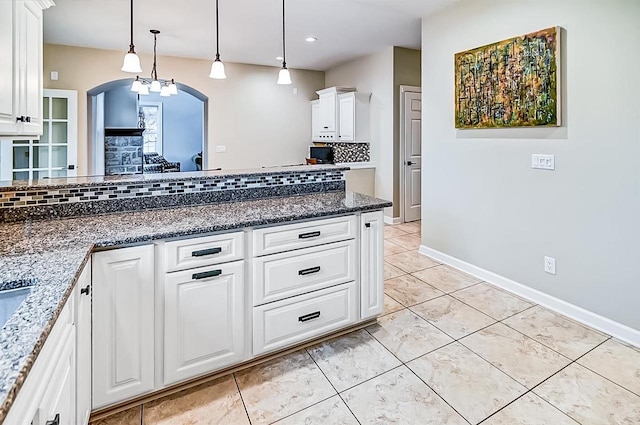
(449, 350)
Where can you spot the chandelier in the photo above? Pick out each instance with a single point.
(154, 84)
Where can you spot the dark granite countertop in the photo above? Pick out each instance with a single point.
(50, 254)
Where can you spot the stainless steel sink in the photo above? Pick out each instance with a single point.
(11, 296)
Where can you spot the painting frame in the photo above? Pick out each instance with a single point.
(512, 83)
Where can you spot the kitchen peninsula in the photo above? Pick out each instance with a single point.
(150, 282)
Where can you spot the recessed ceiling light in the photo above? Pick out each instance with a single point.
(279, 58)
(310, 39)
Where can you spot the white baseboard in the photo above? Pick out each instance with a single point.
(579, 314)
(391, 220)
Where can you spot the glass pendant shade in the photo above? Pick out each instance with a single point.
(164, 91)
(155, 86)
(135, 87)
(284, 76)
(173, 89)
(217, 70)
(131, 63)
(144, 90)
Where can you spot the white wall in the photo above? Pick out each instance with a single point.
(374, 74)
(482, 202)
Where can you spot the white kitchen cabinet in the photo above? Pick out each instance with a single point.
(204, 327)
(315, 120)
(83, 346)
(353, 111)
(21, 66)
(328, 113)
(58, 406)
(123, 324)
(371, 264)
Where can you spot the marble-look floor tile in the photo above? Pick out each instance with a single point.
(530, 410)
(517, 355)
(391, 248)
(393, 232)
(589, 398)
(411, 261)
(452, 316)
(391, 305)
(408, 242)
(407, 335)
(282, 386)
(352, 359)
(216, 402)
(392, 271)
(492, 301)
(411, 227)
(128, 417)
(446, 279)
(408, 290)
(399, 397)
(563, 335)
(471, 385)
(616, 362)
(332, 411)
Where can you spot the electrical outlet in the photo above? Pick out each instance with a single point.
(543, 162)
(550, 265)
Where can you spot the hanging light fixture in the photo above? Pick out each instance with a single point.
(154, 84)
(131, 61)
(284, 76)
(217, 67)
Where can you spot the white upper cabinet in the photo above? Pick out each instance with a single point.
(326, 117)
(315, 120)
(21, 66)
(353, 124)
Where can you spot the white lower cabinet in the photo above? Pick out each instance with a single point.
(371, 264)
(83, 346)
(204, 326)
(123, 324)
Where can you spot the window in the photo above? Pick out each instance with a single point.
(151, 114)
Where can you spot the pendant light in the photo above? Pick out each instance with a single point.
(284, 76)
(217, 67)
(154, 84)
(131, 61)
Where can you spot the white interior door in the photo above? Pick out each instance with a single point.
(412, 158)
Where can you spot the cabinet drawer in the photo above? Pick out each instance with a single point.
(204, 251)
(287, 322)
(302, 235)
(287, 274)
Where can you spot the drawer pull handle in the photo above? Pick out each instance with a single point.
(309, 235)
(85, 291)
(55, 421)
(203, 252)
(312, 270)
(367, 225)
(309, 316)
(204, 275)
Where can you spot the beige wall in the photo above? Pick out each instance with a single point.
(374, 74)
(260, 122)
(406, 72)
(482, 203)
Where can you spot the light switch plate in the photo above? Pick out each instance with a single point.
(543, 162)
(221, 148)
(54, 75)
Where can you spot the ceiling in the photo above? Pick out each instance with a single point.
(250, 30)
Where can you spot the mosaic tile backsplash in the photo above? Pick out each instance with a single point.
(350, 152)
(69, 201)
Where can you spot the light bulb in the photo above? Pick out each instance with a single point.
(155, 86)
(164, 91)
(217, 70)
(131, 63)
(284, 77)
(173, 89)
(135, 87)
(144, 90)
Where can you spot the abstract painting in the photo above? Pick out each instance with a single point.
(511, 83)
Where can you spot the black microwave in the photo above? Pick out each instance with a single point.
(324, 155)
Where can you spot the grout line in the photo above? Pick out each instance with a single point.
(246, 411)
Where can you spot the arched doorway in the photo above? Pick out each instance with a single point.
(178, 132)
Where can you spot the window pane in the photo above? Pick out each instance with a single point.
(20, 142)
(42, 174)
(58, 173)
(41, 157)
(45, 108)
(45, 134)
(22, 175)
(20, 157)
(59, 156)
(59, 108)
(59, 132)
